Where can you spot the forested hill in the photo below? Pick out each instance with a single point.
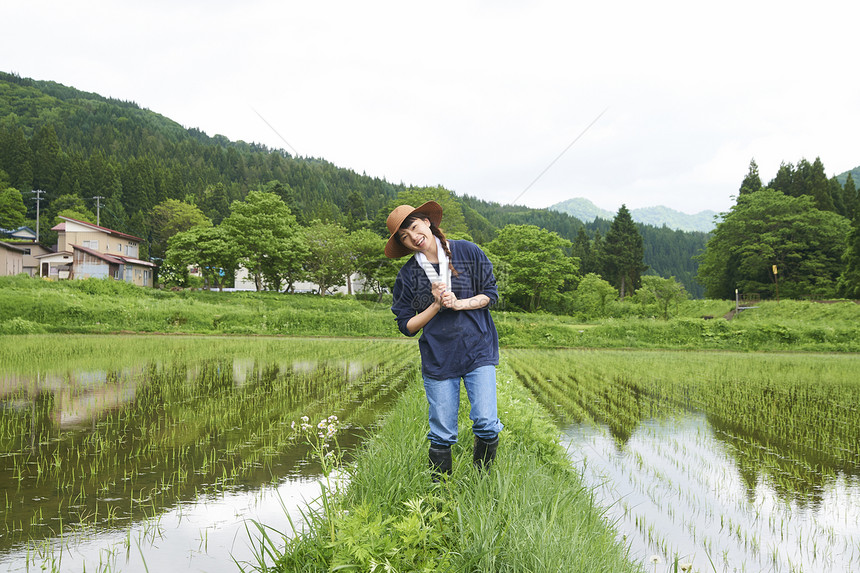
(73, 143)
(76, 145)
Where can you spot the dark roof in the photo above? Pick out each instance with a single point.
(12, 247)
(114, 259)
(103, 256)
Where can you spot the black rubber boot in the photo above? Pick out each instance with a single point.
(485, 452)
(440, 461)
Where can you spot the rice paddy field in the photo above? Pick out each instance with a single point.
(138, 453)
(714, 461)
(151, 453)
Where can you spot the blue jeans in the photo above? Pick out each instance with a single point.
(443, 396)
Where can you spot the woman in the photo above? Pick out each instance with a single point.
(445, 290)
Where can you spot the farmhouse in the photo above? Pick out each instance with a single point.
(85, 250)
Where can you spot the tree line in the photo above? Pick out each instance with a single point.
(536, 269)
(799, 236)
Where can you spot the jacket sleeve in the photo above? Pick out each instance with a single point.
(402, 306)
(484, 278)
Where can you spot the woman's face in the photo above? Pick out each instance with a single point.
(417, 236)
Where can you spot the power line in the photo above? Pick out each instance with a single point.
(551, 163)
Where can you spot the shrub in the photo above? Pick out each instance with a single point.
(20, 325)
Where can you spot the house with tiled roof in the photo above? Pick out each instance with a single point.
(85, 250)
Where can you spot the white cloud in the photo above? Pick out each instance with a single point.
(481, 97)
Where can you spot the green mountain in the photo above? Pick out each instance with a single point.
(71, 143)
(855, 175)
(582, 209)
(659, 216)
(77, 145)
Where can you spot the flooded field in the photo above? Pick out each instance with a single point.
(149, 453)
(714, 461)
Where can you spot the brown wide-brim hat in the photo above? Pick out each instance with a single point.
(394, 249)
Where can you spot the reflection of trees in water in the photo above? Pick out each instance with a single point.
(798, 437)
(795, 434)
(186, 430)
(796, 474)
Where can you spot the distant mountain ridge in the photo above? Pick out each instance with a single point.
(586, 211)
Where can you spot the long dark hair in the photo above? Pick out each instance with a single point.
(437, 232)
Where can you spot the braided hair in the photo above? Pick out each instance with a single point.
(437, 232)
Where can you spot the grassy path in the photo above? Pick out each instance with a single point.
(529, 513)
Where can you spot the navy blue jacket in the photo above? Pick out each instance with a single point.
(454, 342)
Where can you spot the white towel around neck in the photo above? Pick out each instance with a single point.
(444, 274)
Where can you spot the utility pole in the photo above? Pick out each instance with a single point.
(98, 198)
(38, 199)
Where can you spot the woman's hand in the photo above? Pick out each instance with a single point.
(444, 297)
(447, 299)
(439, 291)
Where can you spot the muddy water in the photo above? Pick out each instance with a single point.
(162, 464)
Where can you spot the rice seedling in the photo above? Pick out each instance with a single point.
(759, 451)
(142, 429)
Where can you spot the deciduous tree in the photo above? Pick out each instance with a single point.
(13, 212)
(365, 250)
(208, 248)
(71, 206)
(330, 260)
(532, 265)
(170, 217)
(592, 295)
(661, 293)
(769, 228)
(849, 280)
(266, 235)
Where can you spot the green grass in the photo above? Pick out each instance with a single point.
(530, 512)
(33, 306)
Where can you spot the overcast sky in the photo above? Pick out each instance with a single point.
(483, 98)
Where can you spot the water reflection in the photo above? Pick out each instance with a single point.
(92, 453)
(677, 488)
(205, 534)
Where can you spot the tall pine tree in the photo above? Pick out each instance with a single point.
(752, 181)
(624, 253)
(850, 198)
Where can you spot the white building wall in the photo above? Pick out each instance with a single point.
(245, 282)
